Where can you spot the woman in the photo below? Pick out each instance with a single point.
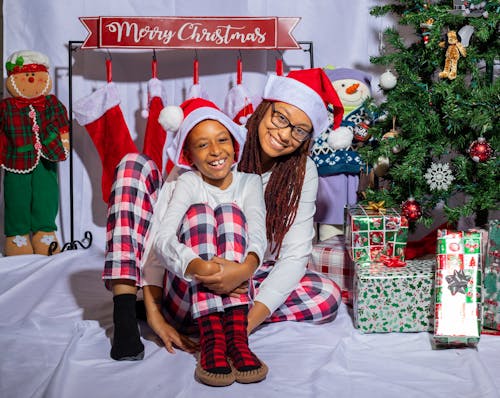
(280, 131)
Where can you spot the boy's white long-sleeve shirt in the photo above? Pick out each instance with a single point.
(296, 249)
(164, 248)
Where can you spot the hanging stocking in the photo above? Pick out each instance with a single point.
(239, 103)
(196, 90)
(279, 66)
(154, 138)
(103, 119)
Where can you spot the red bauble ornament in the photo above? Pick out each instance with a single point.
(411, 209)
(480, 150)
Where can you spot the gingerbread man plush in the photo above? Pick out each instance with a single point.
(453, 52)
(33, 138)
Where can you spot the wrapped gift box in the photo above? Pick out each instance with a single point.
(457, 317)
(388, 299)
(330, 257)
(371, 232)
(491, 304)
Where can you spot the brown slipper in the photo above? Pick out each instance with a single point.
(250, 376)
(213, 379)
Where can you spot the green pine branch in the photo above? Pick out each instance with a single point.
(438, 118)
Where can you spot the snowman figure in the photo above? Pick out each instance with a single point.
(34, 132)
(338, 164)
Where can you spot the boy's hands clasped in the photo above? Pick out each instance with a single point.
(230, 278)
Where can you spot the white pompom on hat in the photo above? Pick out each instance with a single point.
(340, 138)
(309, 90)
(180, 120)
(27, 61)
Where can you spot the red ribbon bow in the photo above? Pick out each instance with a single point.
(393, 262)
(38, 102)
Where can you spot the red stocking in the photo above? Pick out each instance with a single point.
(239, 103)
(103, 119)
(154, 138)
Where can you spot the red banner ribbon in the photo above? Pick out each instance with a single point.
(190, 32)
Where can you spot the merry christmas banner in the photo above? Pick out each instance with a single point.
(190, 32)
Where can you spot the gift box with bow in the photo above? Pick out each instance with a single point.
(457, 317)
(373, 230)
(394, 299)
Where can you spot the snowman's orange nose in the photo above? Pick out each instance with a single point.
(352, 89)
(31, 79)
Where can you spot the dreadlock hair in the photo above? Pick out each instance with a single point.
(284, 188)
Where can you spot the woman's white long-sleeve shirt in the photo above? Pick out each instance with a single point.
(296, 249)
(245, 191)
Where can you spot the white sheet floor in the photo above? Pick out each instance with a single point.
(56, 323)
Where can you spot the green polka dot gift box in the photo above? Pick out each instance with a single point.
(394, 299)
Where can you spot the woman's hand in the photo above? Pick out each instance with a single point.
(257, 314)
(170, 337)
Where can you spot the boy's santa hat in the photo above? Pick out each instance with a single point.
(180, 120)
(25, 61)
(309, 90)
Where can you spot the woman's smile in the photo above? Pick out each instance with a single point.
(276, 142)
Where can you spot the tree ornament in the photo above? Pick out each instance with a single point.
(453, 52)
(388, 80)
(465, 34)
(392, 133)
(469, 8)
(411, 209)
(439, 176)
(381, 166)
(480, 150)
(425, 28)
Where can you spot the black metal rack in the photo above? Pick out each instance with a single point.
(86, 242)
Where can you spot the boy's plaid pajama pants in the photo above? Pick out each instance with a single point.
(130, 209)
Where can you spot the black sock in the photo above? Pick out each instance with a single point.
(127, 343)
(140, 310)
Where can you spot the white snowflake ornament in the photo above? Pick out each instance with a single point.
(439, 176)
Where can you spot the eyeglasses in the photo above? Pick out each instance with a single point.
(281, 121)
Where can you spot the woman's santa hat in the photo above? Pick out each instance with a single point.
(179, 121)
(26, 61)
(309, 90)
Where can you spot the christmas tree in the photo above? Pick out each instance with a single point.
(439, 132)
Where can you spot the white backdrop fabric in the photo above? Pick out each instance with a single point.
(56, 316)
(342, 31)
